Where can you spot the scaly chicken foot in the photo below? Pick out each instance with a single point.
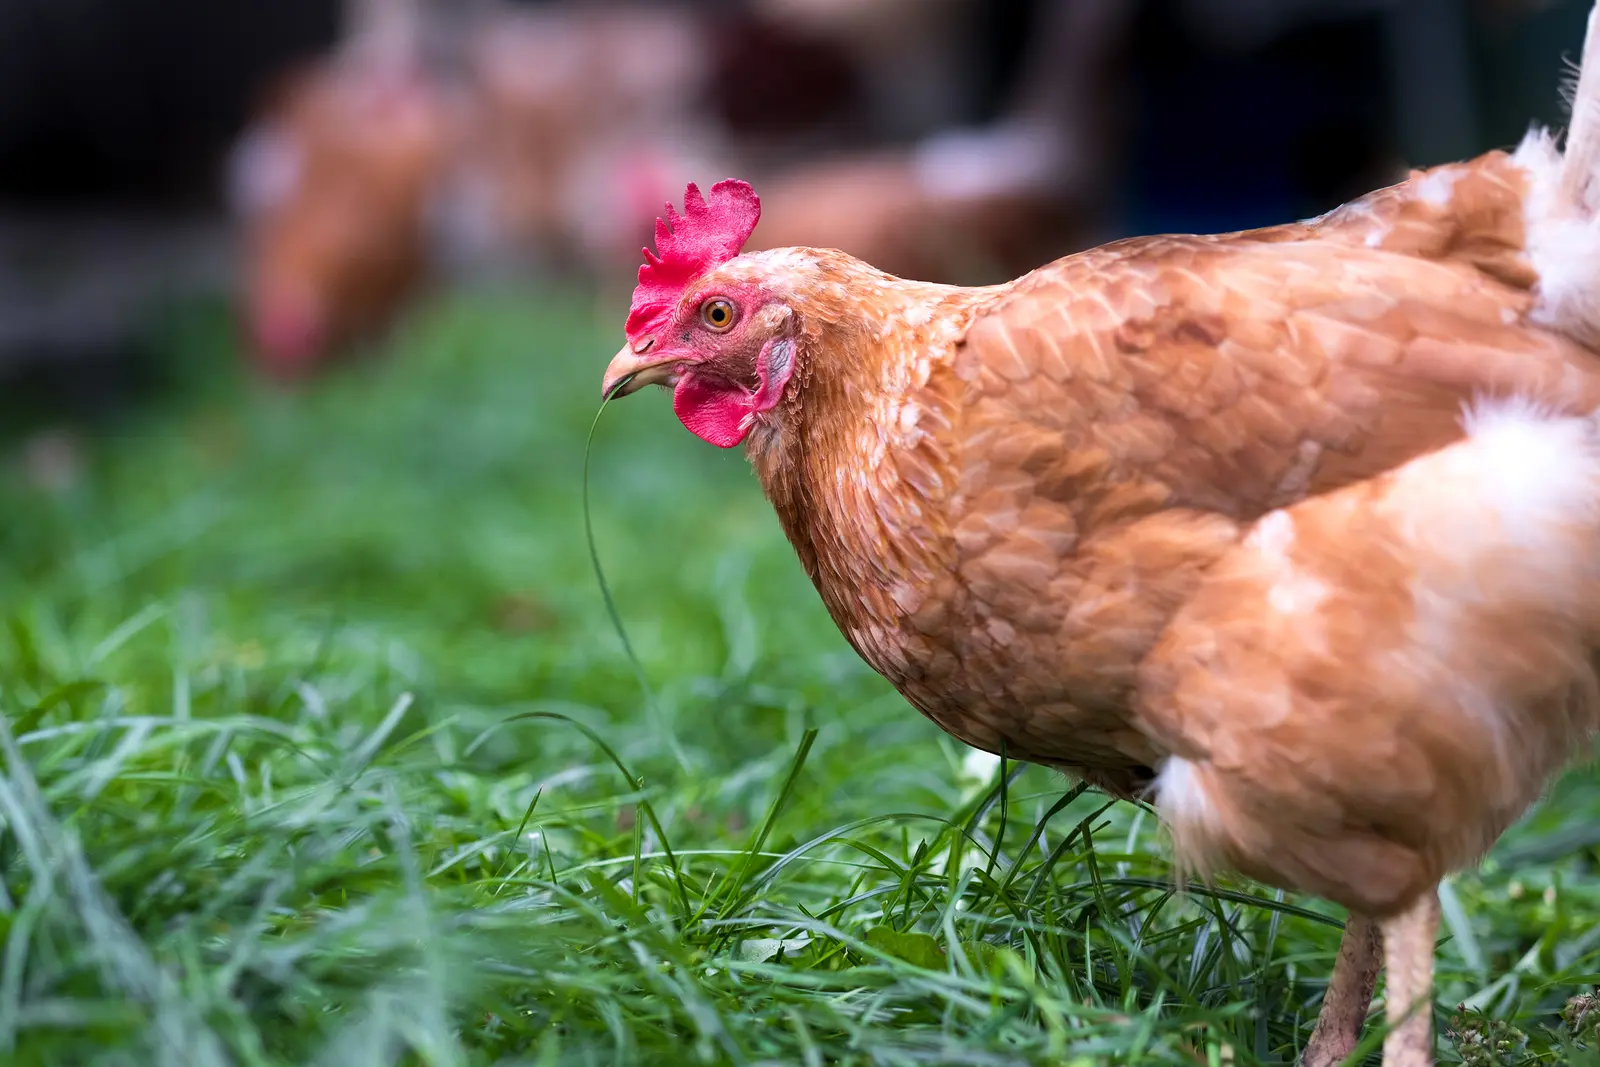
(1349, 995)
(1408, 946)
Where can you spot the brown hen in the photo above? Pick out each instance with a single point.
(1298, 528)
(332, 186)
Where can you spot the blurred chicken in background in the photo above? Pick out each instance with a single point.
(332, 185)
(450, 142)
(551, 137)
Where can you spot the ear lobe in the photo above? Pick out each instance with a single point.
(778, 360)
(774, 366)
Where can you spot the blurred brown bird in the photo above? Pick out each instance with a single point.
(1293, 528)
(332, 186)
(431, 145)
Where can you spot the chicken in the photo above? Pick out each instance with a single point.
(332, 187)
(1295, 529)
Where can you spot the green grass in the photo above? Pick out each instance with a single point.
(318, 748)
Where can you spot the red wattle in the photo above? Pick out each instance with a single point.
(713, 410)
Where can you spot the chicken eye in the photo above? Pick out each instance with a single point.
(718, 314)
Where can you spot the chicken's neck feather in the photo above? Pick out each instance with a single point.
(858, 465)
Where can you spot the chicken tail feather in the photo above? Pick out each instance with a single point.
(1562, 206)
(1580, 164)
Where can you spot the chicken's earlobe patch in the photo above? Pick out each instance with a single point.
(774, 367)
(723, 412)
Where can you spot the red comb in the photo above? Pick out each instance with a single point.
(688, 245)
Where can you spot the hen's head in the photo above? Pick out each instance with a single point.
(724, 331)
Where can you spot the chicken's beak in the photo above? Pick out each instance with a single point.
(631, 371)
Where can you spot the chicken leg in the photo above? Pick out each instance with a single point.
(1349, 995)
(1408, 938)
